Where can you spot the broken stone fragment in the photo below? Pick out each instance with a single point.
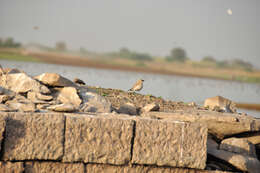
(242, 162)
(69, 95)
(127, 108)
(22, 83)
(151, 107)
(219, 124)
(66, 107)
(237, 145)
(220, 103)
(54, 79)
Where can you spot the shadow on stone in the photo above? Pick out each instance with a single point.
(15, 130)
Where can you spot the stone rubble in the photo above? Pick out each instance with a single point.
(230, 137)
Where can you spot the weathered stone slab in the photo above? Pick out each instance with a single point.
(98, 139)
(33, 136)
(2, 129)
(170, 143)
(254, 137)
(140, 169)
(242, 162)
(219, 124)
(238, 145)
(53, 167)
(10, 167)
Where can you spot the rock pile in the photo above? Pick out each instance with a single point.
(47, 92)
(233, 139)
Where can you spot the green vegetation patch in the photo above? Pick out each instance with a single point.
(17, 57)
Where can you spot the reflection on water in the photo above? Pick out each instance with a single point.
(167, 86)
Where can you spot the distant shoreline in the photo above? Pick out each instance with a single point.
(163, 68)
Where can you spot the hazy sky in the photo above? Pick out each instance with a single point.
(202, 27)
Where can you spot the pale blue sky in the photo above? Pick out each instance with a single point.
(202, 27)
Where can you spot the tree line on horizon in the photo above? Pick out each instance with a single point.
(9, 42)
(177, 54)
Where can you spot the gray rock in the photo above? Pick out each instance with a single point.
(211, 144)
(22, 83)
(94, 102)
(127, 108)
(54, 79)
(237, 145)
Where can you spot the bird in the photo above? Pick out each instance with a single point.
(79, 81)
(137, 86)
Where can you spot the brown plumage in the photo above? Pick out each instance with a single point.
(137, 86)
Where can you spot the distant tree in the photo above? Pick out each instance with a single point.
(124, 50)
(209, 59)
(126, 53)
(61, 46)
(83, 51)
(177, 54)
(223, 64)
(238, 63)
(9, 42)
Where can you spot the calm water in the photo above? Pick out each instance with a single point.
(169, 87)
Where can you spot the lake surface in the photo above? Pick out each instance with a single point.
(177, 88)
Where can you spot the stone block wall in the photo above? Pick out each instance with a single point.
(56, 142)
